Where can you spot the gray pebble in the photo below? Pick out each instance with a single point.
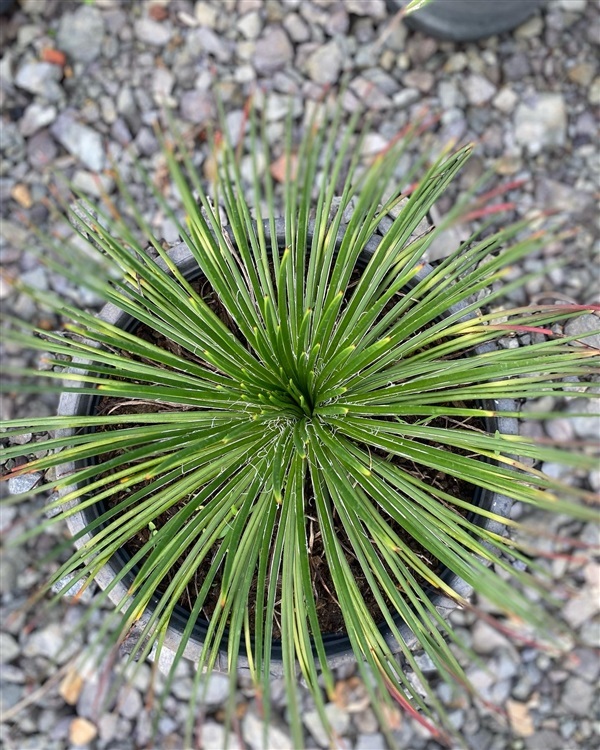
(197, 106)
(517, 67)
(9, 648)
(129, 702)
(325, 63)
(487, 639)
(296, 28)
(205, 41)
(422, 80)
(93, 184)
(506, 100)
(405, 98)
(36, 117)
(555, 470)
(21, 439)
(366, 721)
(12, 144)
(523, 688)
(559, 429)
(74, 590)
(41, 150)
(50, 643)
(273, 50)
(37, 279)
(166, 725)
(449, 94)
(120, 132)
(587, 327)
(372, 8)
(587, 665)
(80, 141)
(107, 727)
(24, 483)
(479, 90)
(339, 720)
(545, 739)
(213, 738)
(182, 688)
(371, 96)
(253, 733)
(40, 78)
(80, 34)
(589, 633)
(217, 690)
(127, 107)
(588, 425)
(338, 21)
(370, 742)
(88, 700)
(149, 31)
(581, 607)
(577, 696)
(162, 85)
(10, 695)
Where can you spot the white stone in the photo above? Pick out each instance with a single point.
(9, 648)
(213, 737)
(250, 25)
(35, 118)
(541, 122)
(573, 6)
(162, 85)
(505, 100)
(205, 14)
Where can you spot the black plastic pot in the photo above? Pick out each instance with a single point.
(7, 7)
(338, 647)
(468, 20)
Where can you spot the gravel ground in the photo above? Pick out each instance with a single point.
(79, 83)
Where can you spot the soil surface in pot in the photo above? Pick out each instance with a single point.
(328, 609)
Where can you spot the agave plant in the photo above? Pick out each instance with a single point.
(311, 385)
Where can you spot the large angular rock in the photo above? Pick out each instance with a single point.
(79, 140)
(40, 78)
(80, 34)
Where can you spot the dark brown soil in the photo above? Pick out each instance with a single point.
(328, 609)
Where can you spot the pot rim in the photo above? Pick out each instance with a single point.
(71, 404)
